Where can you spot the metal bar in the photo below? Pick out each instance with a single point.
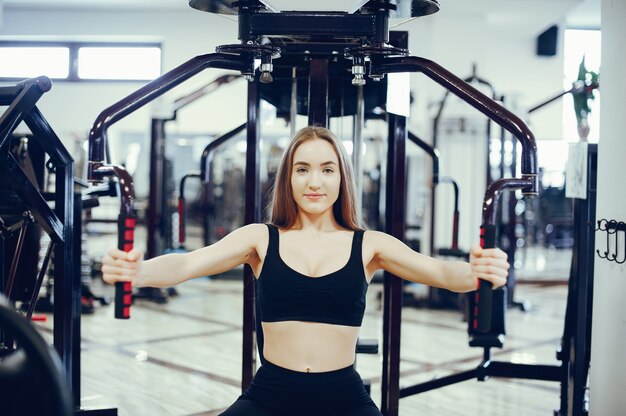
(434, 154)
(318, 92)
(204, 91)
(152, 90)
(394, 223)
(492, 195)
(76, 282)
(30, 195)
(8, 93)
(205, 159)
(40, 276)
(28, 93)
(437, 383)
(205, 175)
(52, 145)
(155, 244)
(66, 296)
(16, 259)
(525, 371)
(582, 276)
(182, 207)
(430, 150)
(252, 215)
(293, 113)
(476, 99)
(455, 218)
(357, 153)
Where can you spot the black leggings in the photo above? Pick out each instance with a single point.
(277, 391)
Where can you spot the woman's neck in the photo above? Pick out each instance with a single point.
(316, 222)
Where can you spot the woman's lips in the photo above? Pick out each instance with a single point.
(313, 196)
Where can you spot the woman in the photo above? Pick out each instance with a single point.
(313, 262)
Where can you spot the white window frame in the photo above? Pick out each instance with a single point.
(74, 63)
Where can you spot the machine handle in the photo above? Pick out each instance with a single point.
(123, 290)
(484, 293)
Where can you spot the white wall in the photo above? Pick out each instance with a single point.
(71, 108)
(608, 344)
(504, 55)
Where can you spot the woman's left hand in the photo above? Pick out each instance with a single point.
(490, 264)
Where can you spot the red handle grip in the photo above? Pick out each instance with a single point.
(123, 290)
(483, 304)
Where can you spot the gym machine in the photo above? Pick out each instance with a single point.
(63, 226)
(322, 45)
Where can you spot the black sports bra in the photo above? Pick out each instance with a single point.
(287, 295)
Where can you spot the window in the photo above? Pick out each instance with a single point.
(28, 62)
(76, 61)
(119, 62)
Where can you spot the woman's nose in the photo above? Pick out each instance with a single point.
(314, 181)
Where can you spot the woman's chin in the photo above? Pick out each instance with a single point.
(314, 209)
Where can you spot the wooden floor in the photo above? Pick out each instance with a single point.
(184, 357)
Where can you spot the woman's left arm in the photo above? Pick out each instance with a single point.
(392, 255)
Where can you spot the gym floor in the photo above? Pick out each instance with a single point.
(184, 357)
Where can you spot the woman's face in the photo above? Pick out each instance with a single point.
(315, 176)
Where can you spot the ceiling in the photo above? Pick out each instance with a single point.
(577, 13)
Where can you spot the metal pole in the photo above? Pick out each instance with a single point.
(66, 296)
(357, 154)
(294, 101)
(155, 197)
(582, 272)
(252, 215)
(394, 224)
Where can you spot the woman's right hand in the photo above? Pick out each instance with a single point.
(121, 266)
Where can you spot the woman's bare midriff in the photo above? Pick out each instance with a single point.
(309, 346)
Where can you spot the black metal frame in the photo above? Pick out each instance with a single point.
(59, 223)
(575, 352)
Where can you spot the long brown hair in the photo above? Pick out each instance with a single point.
(283, 209)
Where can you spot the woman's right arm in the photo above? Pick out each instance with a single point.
(238, 247)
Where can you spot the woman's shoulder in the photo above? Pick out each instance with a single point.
(377, 239)
(254, 231)
(374, 234)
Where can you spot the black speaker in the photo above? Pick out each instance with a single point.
(547, 41)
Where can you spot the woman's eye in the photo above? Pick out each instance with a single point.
(301, 170)
(328, 170)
